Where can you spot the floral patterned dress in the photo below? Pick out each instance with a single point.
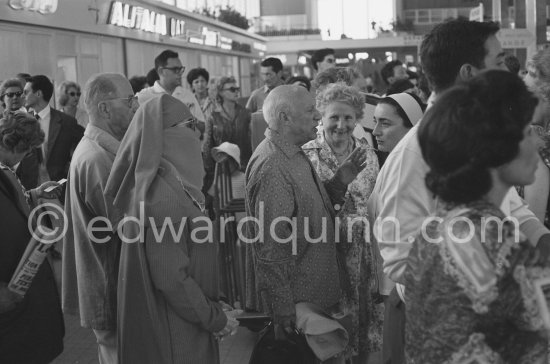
(544, 152)
(361, 263)
(475, 297)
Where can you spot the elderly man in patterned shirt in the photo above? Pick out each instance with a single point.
(291, 252)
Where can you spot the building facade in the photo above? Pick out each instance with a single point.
(73, 39)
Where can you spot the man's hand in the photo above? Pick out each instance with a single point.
(8, 299)
(351, 166)
(284, 325)
(51, 193)
(231, 325)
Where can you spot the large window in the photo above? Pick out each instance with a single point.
(433, 16)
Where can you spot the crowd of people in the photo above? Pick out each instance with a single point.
(416, 222)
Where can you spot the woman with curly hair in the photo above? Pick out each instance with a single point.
(11, 94)
(198, 79)
(31, 328)
(341, 107)
(472, 279)
(537, 79)
(69, 97)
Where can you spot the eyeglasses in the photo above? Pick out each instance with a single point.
(130, 100)
(177, 70)
(13, 94)
(191, 123)
(73, 94)
(232, 89)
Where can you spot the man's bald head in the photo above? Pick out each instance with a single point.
(109, 101)
(100, 87)
(290, 110)
(282, 99)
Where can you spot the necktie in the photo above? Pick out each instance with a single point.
(44, 145)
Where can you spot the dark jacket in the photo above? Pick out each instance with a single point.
(63, 137)
(33, 331)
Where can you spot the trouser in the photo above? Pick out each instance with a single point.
(106, 346)
(393, 346)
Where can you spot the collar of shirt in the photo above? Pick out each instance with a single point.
(157, 88)
(101, 137)
(287, 148)
(45, 113)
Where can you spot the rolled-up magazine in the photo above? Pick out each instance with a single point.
(30, 262)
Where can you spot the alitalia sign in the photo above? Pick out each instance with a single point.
(139, 18)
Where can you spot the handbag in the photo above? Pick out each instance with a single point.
(292, 350)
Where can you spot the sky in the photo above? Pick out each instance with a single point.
(353, 17)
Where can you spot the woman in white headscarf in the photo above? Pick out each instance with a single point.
(168, 309)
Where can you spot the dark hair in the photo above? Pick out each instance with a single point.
(412, 75)
(399, 86)
(450, 45)
(11, 82)
(23, 76)
(63, 98)
(138, 83)
(275, 64)
(19, 132)
(387, 70)
(402, 114)
(319, 55)
(424, 85)
(195, 73)
(512, 63)
(162, 59)
(42, 83)
(152, 76)
(303, 79)
(472, 127)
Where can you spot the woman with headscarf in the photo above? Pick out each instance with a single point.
(168, 310)
(341, 107)
(394, 116)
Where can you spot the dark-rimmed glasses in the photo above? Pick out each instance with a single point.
(73, 94)
(129, 99)
(191, 123)
(176, 70)
(232, 89)
(12, 94)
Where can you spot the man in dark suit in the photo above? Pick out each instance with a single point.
(51, 161)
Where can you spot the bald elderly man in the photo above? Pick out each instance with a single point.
(284, 264)
(91, 258)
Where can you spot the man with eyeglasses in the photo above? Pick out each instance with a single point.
(91, 250)
(62, 134)
(170, 72)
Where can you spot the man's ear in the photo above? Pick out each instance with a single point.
(466, 72)
(103, 109)
(283, 116)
